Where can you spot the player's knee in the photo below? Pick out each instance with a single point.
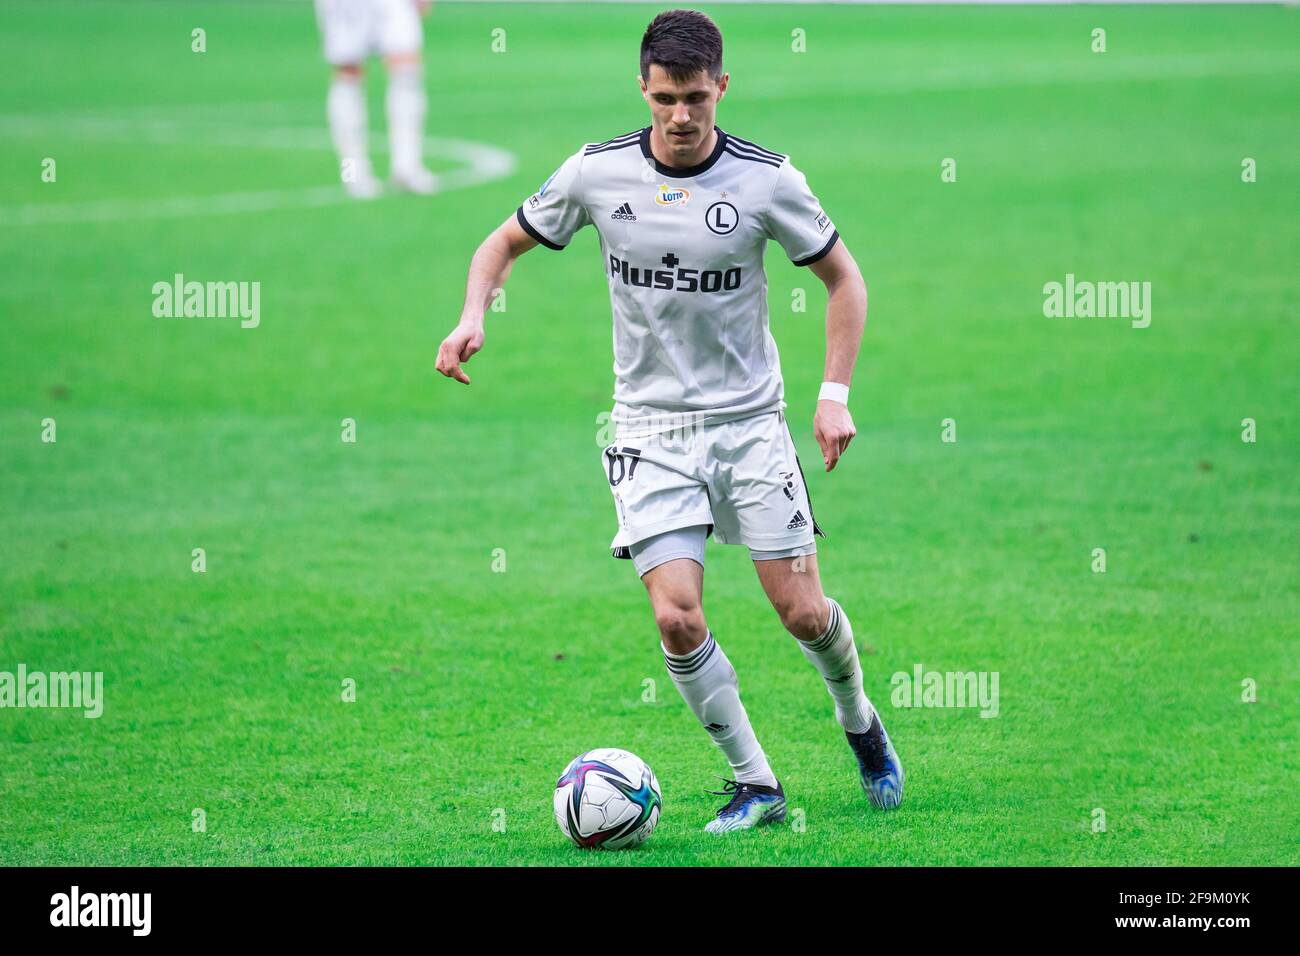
(805, 618)
(682, 628)
(404, 61)
(350, 71)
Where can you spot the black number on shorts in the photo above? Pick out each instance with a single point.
(617, 455)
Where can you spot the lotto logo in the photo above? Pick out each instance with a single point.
(672, 196)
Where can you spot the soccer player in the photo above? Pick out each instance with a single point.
(684, 211)
(353, 30)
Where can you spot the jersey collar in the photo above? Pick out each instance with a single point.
(681, 172)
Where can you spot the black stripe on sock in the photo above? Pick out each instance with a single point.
(687, 665)
(832, 630)
(690, 663)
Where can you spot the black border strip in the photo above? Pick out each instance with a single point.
(300, 906)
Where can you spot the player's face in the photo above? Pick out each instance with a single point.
(683, 112)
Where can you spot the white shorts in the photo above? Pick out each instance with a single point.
(740, 478)
(356, 29)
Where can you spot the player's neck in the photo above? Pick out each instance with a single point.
(665, 156)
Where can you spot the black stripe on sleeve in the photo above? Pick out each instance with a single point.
(605, 149)
(617, 141)
(820, 253)
(737, 141)
(756, 152)
(775, 164)
(528, 228)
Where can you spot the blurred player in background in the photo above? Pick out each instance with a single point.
(354, 30)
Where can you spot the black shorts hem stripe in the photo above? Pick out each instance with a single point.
(820, 253)
(528, 228)
(817, 529)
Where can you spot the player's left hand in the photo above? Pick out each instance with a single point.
(423, 7)
(464, 341)
(833, 429)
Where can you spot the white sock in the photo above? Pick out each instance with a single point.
(836, 658)
(346, 108)
(708, 684)
(406, 104)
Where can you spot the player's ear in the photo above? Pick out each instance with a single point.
(722, 85)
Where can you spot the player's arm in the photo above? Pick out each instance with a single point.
(548, 217)
(795, 218)
(488, 271)
(846, 317)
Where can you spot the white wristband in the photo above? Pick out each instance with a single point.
(834, 392)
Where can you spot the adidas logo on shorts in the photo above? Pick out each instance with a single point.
(624, 212)
(797, 521)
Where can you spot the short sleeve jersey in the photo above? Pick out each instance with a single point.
(683, 255)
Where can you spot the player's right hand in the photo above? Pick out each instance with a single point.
(457, 347)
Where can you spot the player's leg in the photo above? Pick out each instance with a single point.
(760, 499)
(344, 29)
(346, 107)
(672, 568)
(822, 629)
(793, 585)
(401, 38)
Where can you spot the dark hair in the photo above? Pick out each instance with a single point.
(683, 42)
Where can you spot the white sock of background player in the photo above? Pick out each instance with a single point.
(708, 684)
(406, 104)
(346, 108)
(836, 658)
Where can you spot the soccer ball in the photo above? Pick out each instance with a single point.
(607, 798)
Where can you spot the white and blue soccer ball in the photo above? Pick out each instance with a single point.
(607, 798)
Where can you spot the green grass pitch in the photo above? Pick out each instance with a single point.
(374, 561)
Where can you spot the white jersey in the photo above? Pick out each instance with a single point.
(683, 253)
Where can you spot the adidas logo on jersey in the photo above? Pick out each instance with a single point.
(797, 521)
(624, 212)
